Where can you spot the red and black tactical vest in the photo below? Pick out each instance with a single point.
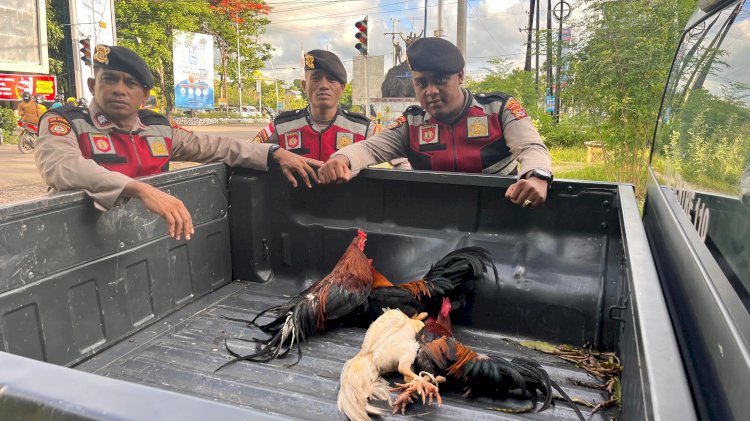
(139, 154)
(296, 134)
(474, 144)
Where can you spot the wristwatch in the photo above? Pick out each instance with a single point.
(541, 174)
(274, 147)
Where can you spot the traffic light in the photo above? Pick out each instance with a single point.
(361, 36)
(85, 50)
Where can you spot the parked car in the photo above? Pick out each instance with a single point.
(249, 111)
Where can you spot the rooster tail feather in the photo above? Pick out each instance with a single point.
(286, 338)
(360, 383)
(459, 269)
(568, 400)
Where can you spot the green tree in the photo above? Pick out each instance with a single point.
(233, 19)
(147, 26)
(56, 42)
(346, 97)
(619, 69)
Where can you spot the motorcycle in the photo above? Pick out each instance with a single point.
(27, 137)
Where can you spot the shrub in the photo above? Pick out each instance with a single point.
(7, 122)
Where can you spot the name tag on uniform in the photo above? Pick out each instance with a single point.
(477, 127)
(428, 134)
(101, 144)
(344, 139)
(293, 140)
(158, 146)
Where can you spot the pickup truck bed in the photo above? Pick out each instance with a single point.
(104, 316)
(181, 352)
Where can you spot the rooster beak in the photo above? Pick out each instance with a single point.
(420, 316)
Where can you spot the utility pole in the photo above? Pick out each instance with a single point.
(561, 16)
(424, 32)
(461, 29)
(549, 47)
(537, 44)
(276, 84)
(529, 29)
(239, 75)
(439, 33)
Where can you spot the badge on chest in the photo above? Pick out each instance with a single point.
(293, 140)
(101, 144)
(344, 139)
(158, 146)
(477, 127)
(428, 134)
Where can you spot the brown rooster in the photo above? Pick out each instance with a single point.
(389, 346)
(452, 276)
(489, 375)
(307, 314)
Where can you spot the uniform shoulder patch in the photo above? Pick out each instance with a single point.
(515, 108)
(176, 126)
(397, 122)
(58, 126)
(487, 97)
(261, 137)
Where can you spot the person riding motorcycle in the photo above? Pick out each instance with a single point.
(59, 100)
(40, 100)
(29, 111)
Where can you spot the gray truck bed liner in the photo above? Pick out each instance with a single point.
(181, 352)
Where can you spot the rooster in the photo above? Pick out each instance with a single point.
(451, 276)
(490, 375)
(308, 313)
(389, 345)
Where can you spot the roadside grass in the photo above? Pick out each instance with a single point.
(571, 163)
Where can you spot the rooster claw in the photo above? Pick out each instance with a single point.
(420, 387)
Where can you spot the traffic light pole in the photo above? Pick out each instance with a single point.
(367, 87)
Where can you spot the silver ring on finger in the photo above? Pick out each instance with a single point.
(527, 203)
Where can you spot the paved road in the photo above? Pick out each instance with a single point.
(20, 180)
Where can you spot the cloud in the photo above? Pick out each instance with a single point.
(492, 29)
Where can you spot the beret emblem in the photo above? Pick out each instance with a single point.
(101, 54)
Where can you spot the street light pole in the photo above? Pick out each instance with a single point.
(276, 84)
(239, 75)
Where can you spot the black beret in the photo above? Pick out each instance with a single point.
(326, 61)
(435, 55)
(114, 57)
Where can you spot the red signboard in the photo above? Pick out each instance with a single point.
(12, 86)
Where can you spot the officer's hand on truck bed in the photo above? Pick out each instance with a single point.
(292, 164)
(336, 170)
(533, 190)
(168, 207)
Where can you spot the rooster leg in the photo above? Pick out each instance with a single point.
(416, 386)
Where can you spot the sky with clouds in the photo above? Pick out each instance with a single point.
(493, 29)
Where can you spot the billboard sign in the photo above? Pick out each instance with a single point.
(193, 55)
(13, 86)
(23, 36)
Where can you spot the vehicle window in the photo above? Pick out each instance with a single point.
(702, 147)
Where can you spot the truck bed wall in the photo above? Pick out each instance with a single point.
(73, 280)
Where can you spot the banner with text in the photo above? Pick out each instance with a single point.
(13, 86)
(193, 55)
